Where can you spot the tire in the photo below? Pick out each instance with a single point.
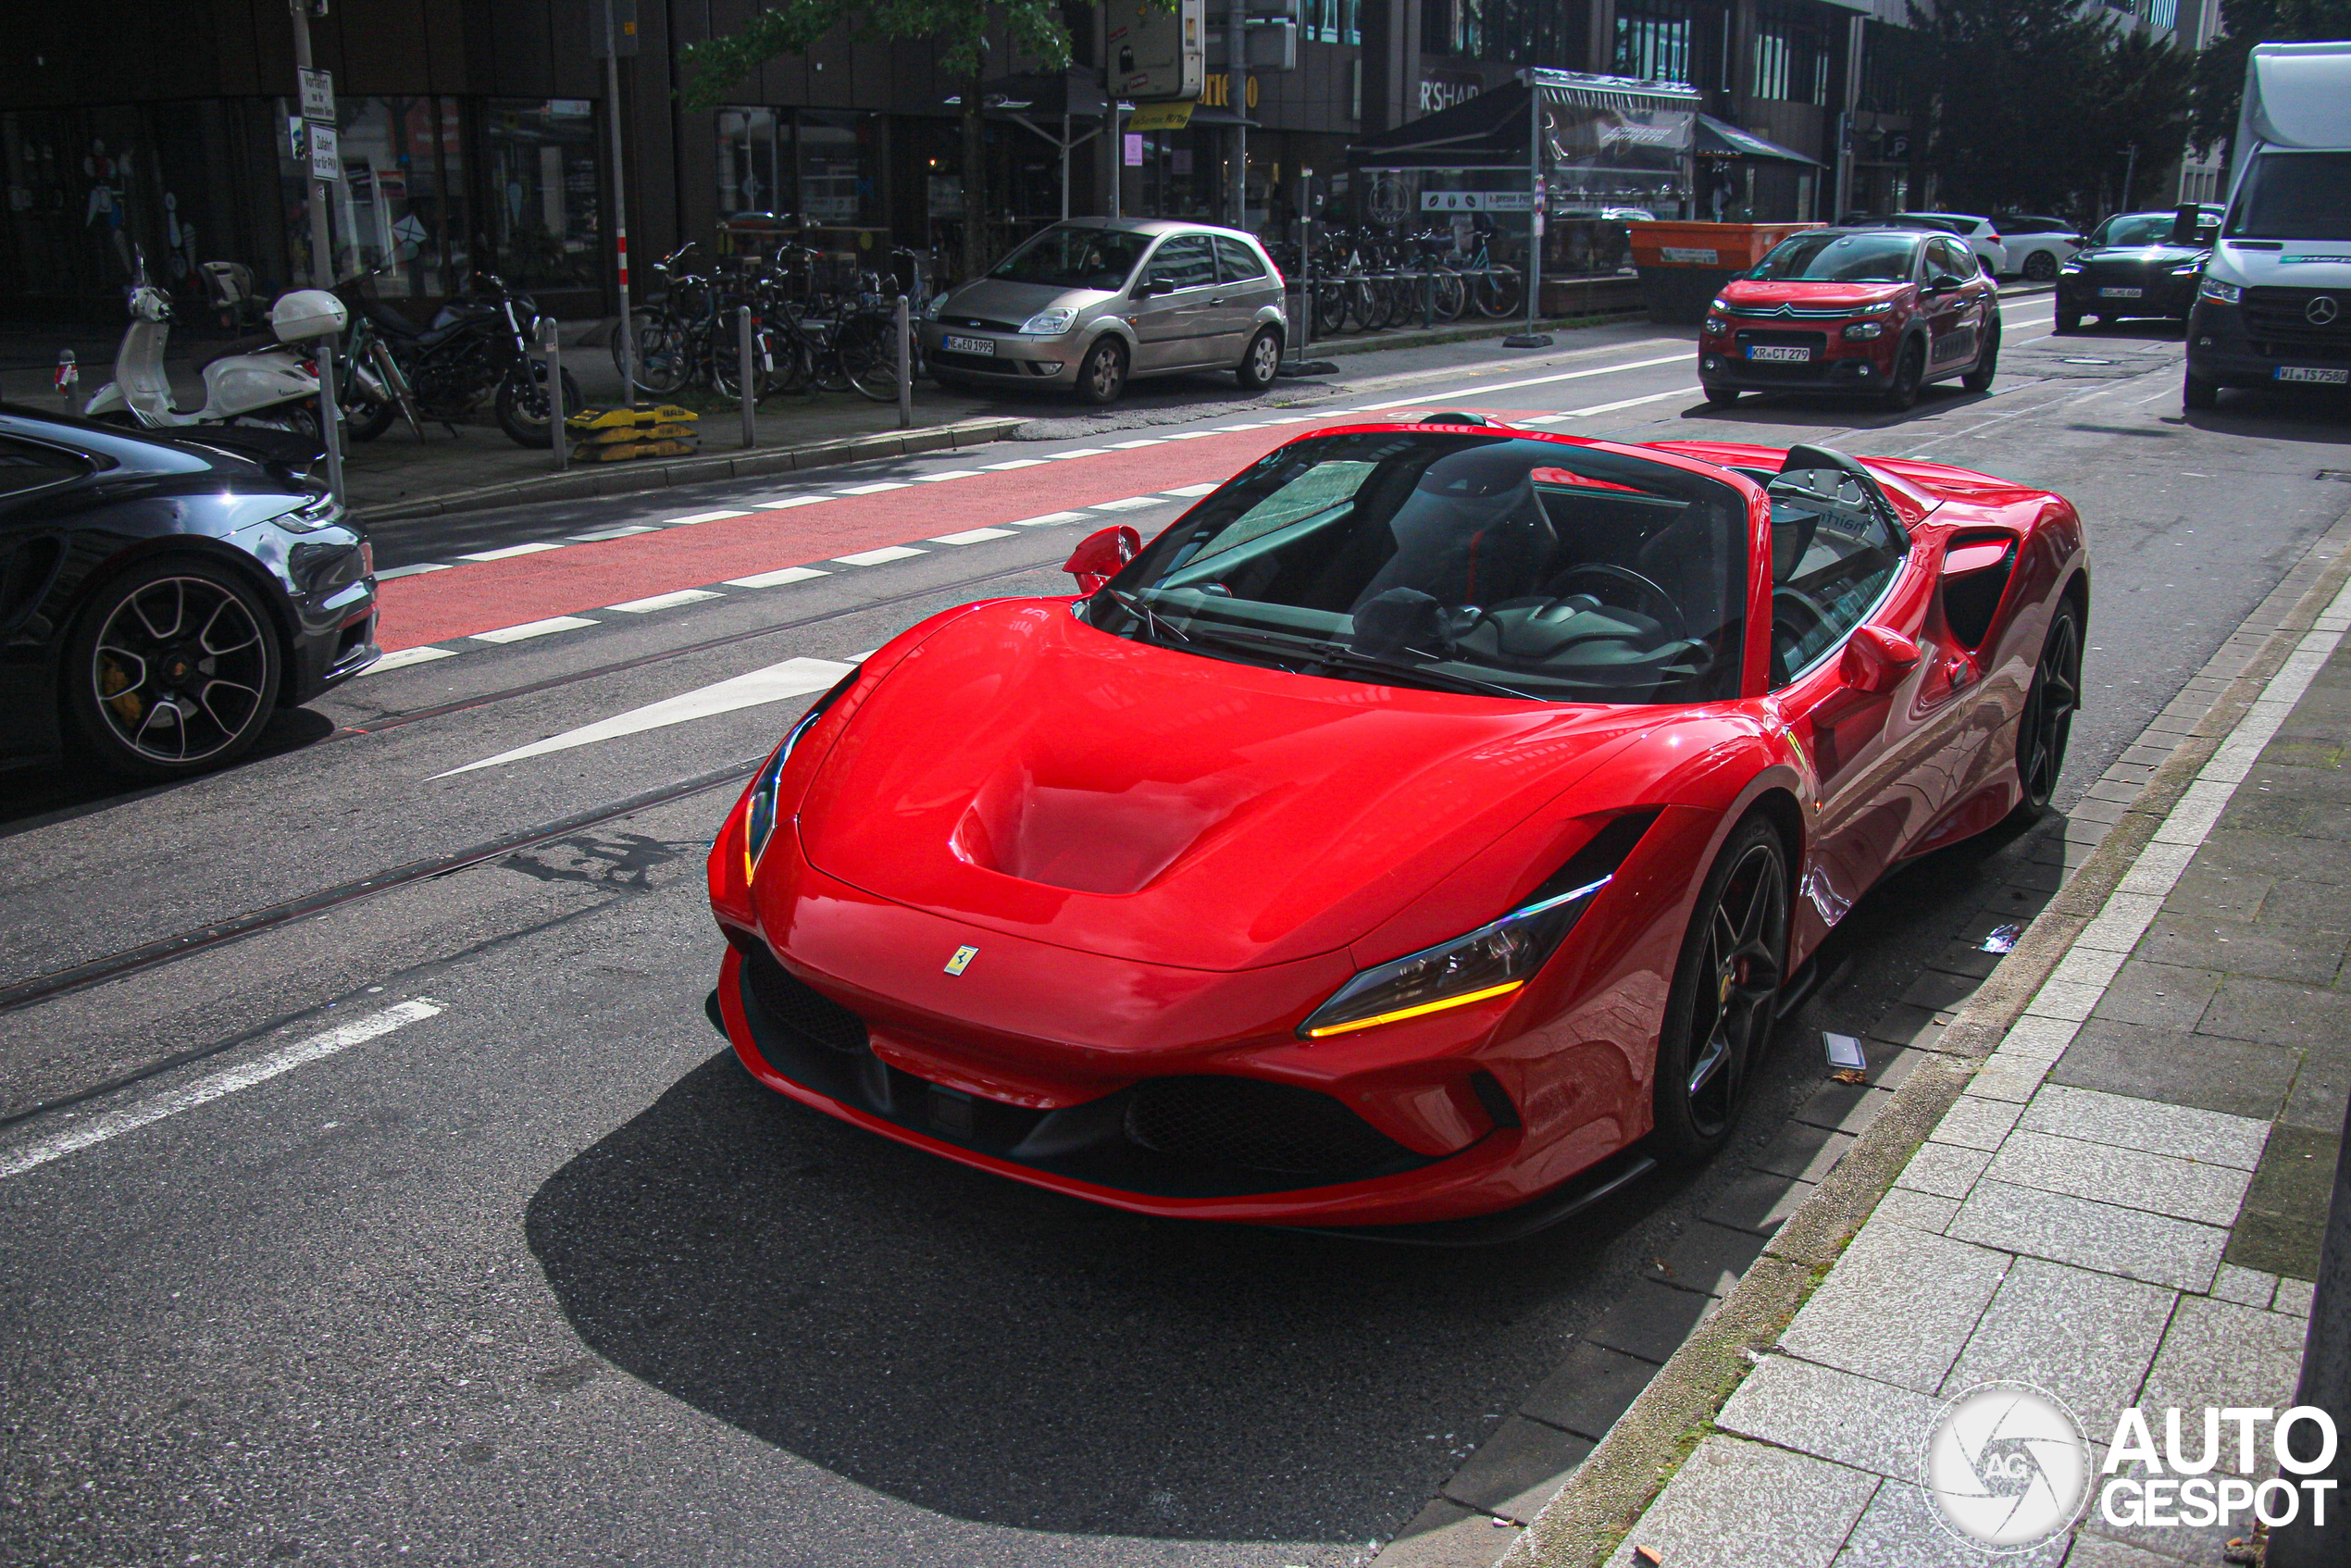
(1909, 377)
(1448, 296)
(177, 634)
(366, 420)
(1497, 291)
(1987, 364)
(2067, 321)
(2197, 394)
(868, 358)
(1719, 397)
(2045, 724)
(725, 367)
(1260, 361)
(662, 360)
(1102, 375)
(1719, 1014)
(522, 404)
(2041, 266)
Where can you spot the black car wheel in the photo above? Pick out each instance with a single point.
(1103, 375)
(173, 668)
(1987, 365)
(1719, 1014)
(1909, 375)
(1264, 358)
(1719, 397)
(2195, 392)
(2047, 723)
(2068, 320)
(2040, 266)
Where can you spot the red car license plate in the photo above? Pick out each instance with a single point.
(1777, 351)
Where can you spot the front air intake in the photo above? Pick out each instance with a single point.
(1256, 1126)
(792, 1005)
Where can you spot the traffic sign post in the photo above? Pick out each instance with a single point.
(614, 36)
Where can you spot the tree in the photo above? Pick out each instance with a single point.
(957, 29)
(2219, 68)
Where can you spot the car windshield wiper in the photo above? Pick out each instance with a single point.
(1344, 658)
(1133, 604)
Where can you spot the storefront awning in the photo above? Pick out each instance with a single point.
(1042, 95)
(1491, 130)
(1720, 139)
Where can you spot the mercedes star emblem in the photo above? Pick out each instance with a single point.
(2321, 311)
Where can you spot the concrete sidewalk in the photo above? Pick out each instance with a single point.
(2108, 1178)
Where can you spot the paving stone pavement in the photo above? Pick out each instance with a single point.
(2124, 1207)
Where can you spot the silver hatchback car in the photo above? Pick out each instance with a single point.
(1090, 303)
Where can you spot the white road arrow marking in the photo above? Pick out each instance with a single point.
(793, 678)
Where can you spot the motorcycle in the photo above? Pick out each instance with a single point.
(478, 346)
(266, 381)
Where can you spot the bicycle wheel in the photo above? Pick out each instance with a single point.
(1449, 295)
(726, 378)
(869, 356)
(662, 359)
(1497, 291)
(1330, 308)
(795, 365)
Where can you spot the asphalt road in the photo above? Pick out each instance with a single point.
(535, 1274)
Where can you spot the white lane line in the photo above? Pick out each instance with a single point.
(972, 536)
(1079, 451)
(1625, 403)
(1016, 462)
(781, 502)
(1443, 399)
(1292, 419)
(1128, 504)
(407, 656)
(777, 578)
(793, 678)
(1048, 519)
(409, 571)
(888, 553)
(872, 489)
(258, 1071)
(1233, 429)
(532, 629)
(509, 551)
(665, 601)
(611, 533)
(1191, 490)
(1191, 435)
(1131, 445)
(692, 518)
(947, 474)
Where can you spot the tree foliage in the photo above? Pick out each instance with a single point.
(2220, 68)
(959, 32)
(2036, 103)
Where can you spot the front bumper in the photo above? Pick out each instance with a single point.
(2223, 349)
(1042, 362)
(1837, 365)
(2159, 293)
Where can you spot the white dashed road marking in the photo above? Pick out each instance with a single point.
(624, 531)
(692, 518)
(665, 601)
(1128, 504)
(777, 578)
(532, 629)
(877, 557)
(972, 536)
(1048, 519)
(510, 552)
(407, 656)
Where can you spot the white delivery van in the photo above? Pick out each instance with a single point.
(2275, 305)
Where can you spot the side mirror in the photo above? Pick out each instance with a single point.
(1943, 283)
(1100, 555)
(1876, 659)
(1154, 285)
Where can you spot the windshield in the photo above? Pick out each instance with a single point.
(2133, 230)
(1075, 259)
(1474, 563)
(2293, 196)
(1841, 258)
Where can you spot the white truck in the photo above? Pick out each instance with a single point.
(2275, 305)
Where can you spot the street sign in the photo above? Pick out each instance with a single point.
(1155, 53)
(613, 20)
(326, 153)
(318, 95)
(1476, 201)
(1167, 115)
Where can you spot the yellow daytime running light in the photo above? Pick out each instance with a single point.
(1403, 1012)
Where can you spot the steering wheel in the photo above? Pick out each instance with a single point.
(1652, 595)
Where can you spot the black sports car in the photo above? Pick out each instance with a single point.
(161, 595)
(2138, 264)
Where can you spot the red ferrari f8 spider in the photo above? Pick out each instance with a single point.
(1424, 826)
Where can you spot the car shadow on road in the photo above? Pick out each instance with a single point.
(73, 786)
(998, 1354)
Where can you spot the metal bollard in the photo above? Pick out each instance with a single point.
(905, 366)
(747, 367)
(558, 433)
(330, 420)
(69, 376)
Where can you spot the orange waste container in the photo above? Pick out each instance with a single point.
(1684, 266)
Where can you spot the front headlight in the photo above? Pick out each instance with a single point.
(318, 512)
(1861, 331)
(2214, 289)
(930, 307)
(2069, 264)
(1048, 324)
(2187, 269)
(1878, 309)
(1492, 961)
(1720, 304)
(759, 820)
(1717, 324)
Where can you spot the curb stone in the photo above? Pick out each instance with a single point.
(1607, 1495)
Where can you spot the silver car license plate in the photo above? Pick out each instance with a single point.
(969, 345)
(1777, 351)
(2323, 375)
(2120, 293)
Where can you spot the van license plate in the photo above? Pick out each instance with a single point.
(1775, 351)
(2120, 293)
(970, 345)
(2324, 376)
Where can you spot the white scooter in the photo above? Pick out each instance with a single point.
(252, 382)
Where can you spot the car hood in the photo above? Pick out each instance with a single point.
(1000, 299)
(1750, 293)
(1025, 773)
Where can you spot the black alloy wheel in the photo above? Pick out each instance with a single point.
(1910, 376)
(1262, 360)
(1103, 375)
(173, 668)
(1988, 363)
(2040, 266)
(1718, 1015)
(2047, 723)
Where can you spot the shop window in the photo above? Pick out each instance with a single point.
(756, 163)
(838, 174)
(1792, 51)
(401, 191)
(543, 179)
(1653, 41)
